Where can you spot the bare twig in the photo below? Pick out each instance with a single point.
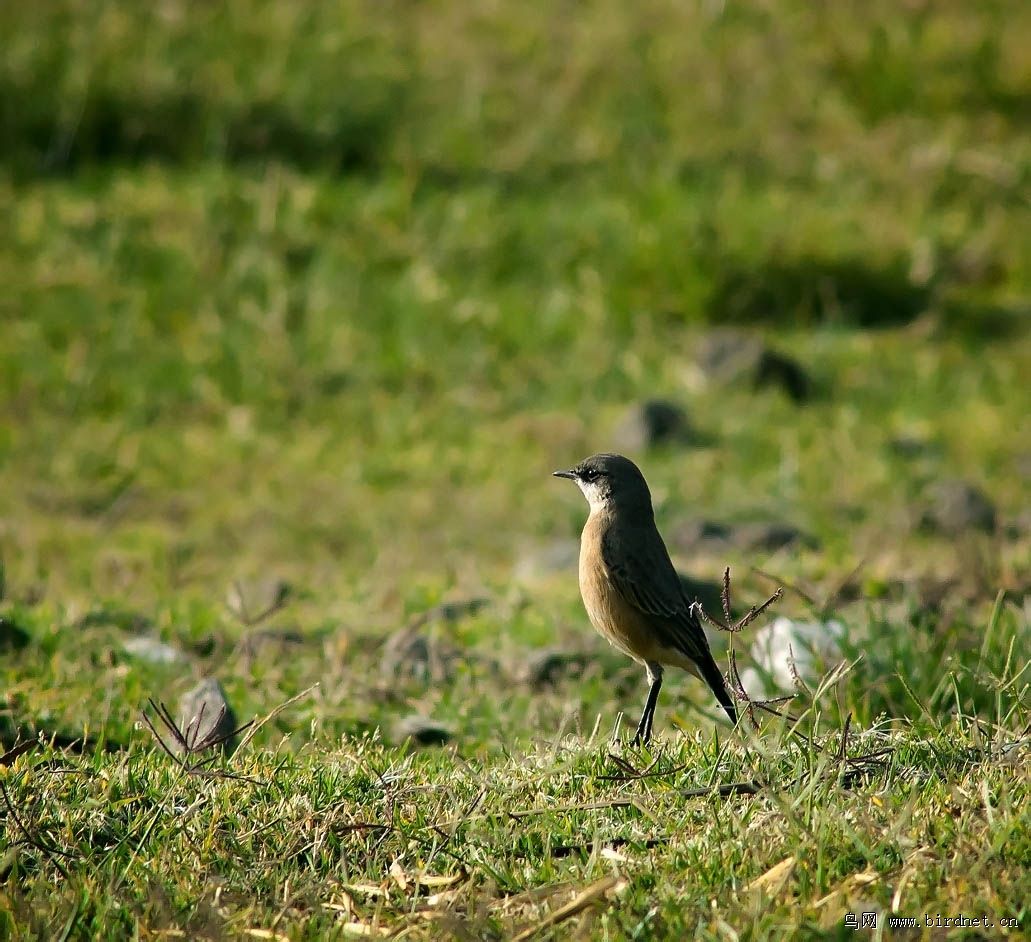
(272, 715)
(191, 745)
(842, 749)
(240, 611)
(734, 627)
(627, 768)
(751, 704)
(630, 774)
(20, 749)
(725, 791)
(577, 905)
(796, 678)
(728, 623)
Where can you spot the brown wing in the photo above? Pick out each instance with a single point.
(641, 570)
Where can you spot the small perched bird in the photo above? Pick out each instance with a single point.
(630, 589)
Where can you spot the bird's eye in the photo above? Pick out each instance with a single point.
(589, 474)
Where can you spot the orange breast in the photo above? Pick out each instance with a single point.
(620, 623)
(616, 620)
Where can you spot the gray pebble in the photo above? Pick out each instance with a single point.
(205, 716)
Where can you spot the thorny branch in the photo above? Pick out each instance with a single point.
(191, 744)
(728, 624)
(848, 768)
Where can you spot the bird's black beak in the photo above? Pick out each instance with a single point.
(565, 474)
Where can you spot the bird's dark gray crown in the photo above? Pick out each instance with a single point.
(616, 476)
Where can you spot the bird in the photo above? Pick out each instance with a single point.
(632, 593)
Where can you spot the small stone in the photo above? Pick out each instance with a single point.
(205, 717)
(152, 650)
(12, 636)
(422, 731)
(771, 536)
(786, 647)
(253, 600)
(651, 423)
(766, 536)
(690, 534)
(726, 356)
(956, 507)
(546, 666)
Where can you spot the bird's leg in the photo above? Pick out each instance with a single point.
(644, 728)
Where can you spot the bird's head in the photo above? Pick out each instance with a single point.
(609, 481)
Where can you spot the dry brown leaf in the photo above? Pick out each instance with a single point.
(399, 875)
(865, 878)
(365, 889)
(365, 929)
(432, 881)
(597, 890)
(773, 880)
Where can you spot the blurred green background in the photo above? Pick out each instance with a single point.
(302, 303)
(323, 292)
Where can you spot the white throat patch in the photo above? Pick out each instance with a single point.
(593, 493)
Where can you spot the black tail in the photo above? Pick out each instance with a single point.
(711, 673)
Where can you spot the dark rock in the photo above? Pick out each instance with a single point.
(771, 536)
(728, 356)
(956, 507)
(650, 423)
(688, 534)
(780, 371)
(422, 731)
(547, 666)
(766, 536)
(205, 717)
(12, 636)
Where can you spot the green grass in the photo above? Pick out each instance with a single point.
(323, 293)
